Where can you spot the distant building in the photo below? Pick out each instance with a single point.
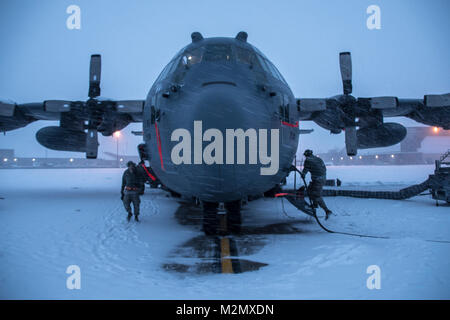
(55, 163)
(6, 154)
(416, 135)
(411, 150)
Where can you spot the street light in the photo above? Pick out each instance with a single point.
(117, 136)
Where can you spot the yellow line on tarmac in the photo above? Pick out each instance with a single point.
(227, 266)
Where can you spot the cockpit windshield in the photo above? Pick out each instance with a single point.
(217, 52)
(179, 66)
(210, 52)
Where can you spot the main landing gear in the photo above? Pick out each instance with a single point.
(214, 223)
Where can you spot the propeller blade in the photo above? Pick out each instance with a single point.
(345, 64)
(7, 108)
(91, 144)
(95, 70)
(351, 141)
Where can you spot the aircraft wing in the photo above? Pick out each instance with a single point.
(79, 121)
(362, 119)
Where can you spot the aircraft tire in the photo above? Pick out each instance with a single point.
(234, 219)
(210, 219)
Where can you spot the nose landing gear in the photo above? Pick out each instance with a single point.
(210, 219)
(233, 216)
(215, 224)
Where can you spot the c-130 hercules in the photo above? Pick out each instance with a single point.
(222, 83)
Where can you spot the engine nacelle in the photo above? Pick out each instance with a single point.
(62, 139)
(439, 117)
(384, 135)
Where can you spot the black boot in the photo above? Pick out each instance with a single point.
(129, 216)
(322, 204)
(136, 218)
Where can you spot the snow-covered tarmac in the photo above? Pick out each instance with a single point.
(53, 218)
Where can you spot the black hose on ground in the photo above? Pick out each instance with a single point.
(332, 231)
(357, 234)
(402, 194)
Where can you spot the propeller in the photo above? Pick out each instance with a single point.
(95, 70)
(372, 131)
(345, 64)
(362, 119)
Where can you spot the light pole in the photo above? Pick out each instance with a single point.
(117, 136)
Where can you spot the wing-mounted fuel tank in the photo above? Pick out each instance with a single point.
(384, 135)
(63, 139)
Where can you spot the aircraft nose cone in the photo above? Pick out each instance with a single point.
(225, 106)
(222, 106)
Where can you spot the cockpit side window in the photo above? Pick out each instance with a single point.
(270, 68)
(263, 64)
(175, 64)
(274, 71)
(249, 58)
(217, 52)
(165, 71)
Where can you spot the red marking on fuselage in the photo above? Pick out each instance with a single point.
(290, 124)
(158, 142)
(281, 195)
(148, 173)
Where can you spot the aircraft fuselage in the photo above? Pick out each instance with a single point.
(219, 83)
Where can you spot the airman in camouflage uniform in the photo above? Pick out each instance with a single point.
(131, 189)
(316, 167)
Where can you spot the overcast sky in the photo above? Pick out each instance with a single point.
(40, 58)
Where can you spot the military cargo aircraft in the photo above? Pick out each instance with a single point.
(211, 86)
